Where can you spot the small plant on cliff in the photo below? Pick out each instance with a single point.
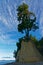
(18, 44)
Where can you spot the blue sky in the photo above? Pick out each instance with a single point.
(8, 24)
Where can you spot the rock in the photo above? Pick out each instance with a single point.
(28, 52)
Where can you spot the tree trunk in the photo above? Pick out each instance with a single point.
(27, 35)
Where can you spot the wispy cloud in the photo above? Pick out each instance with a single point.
(23, 1)
(9, 9)
(3, 19)
(41, 23)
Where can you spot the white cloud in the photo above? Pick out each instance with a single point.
(41, 23)
(12, 18)
(2, 19)
(23, 1)
(9, 9)
(5, 39)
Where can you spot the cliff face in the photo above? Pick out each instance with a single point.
(28, 52)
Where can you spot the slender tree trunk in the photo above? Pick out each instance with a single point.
(27, 34)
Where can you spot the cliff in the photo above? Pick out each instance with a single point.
(28, 52)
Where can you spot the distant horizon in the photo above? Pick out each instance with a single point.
(8, 59)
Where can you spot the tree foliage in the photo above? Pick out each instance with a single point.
(40, 46)
(27, 19)
(18, 44)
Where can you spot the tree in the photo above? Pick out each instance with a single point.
(27, 20)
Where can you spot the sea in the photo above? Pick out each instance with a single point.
(3, 62)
